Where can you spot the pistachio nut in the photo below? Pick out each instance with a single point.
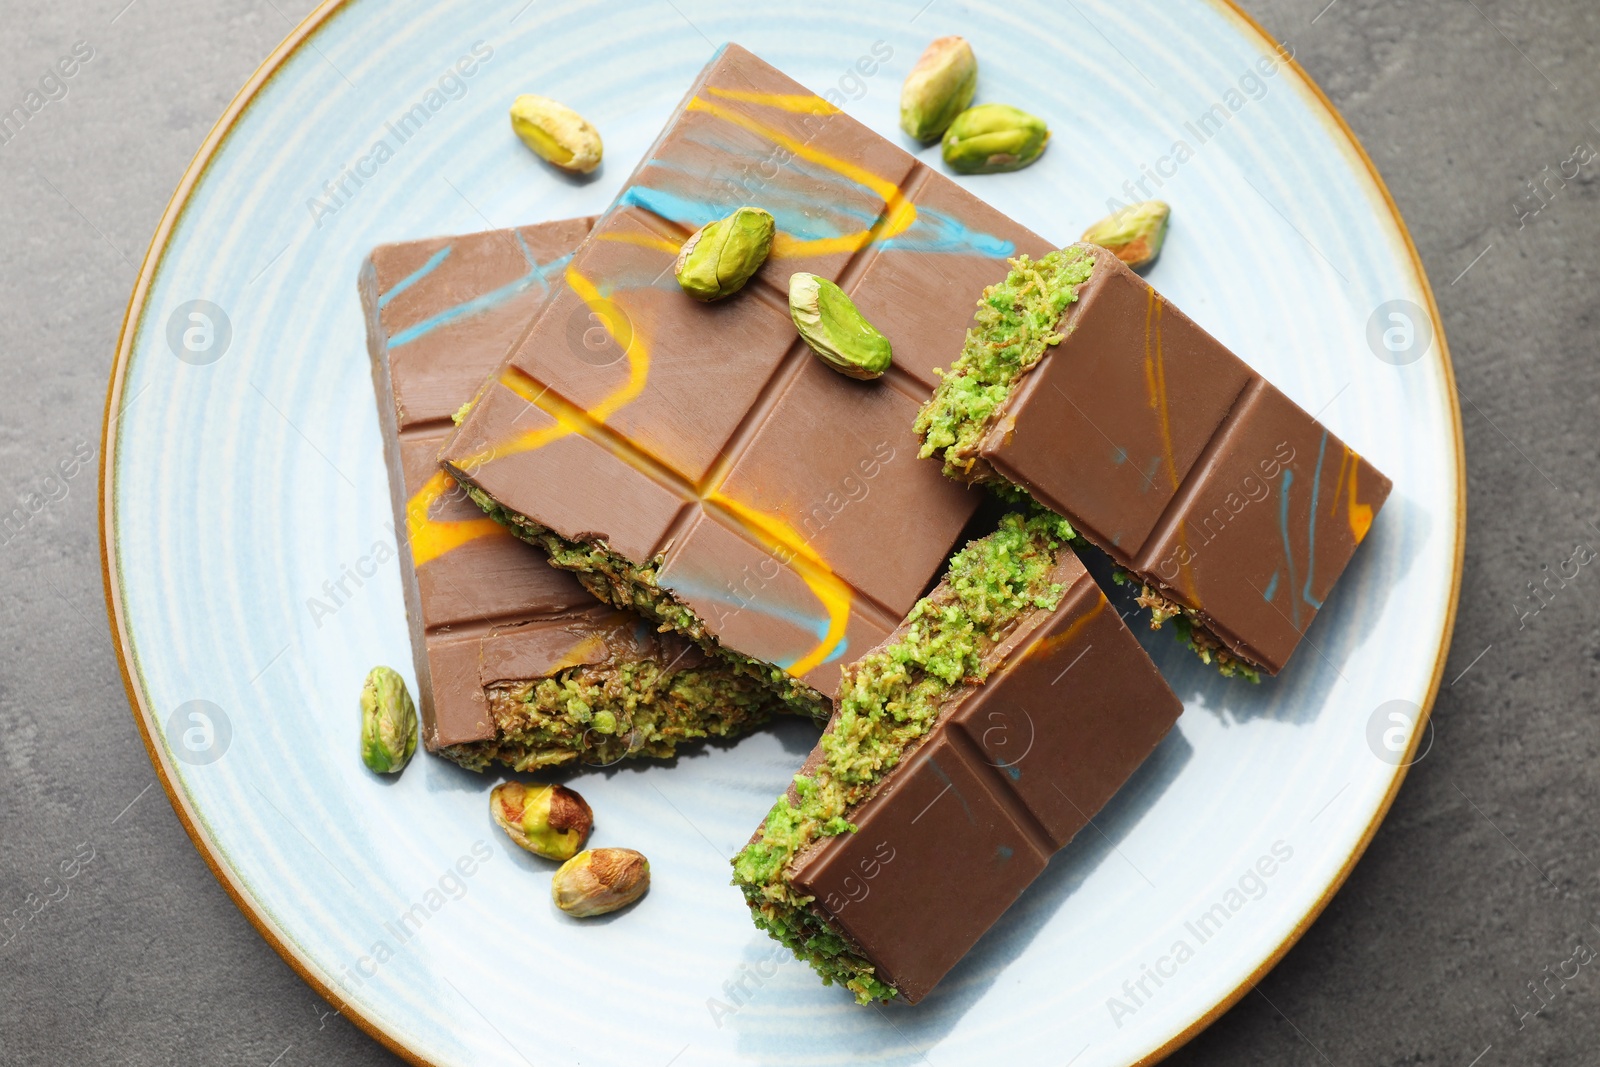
(1134, 234)
(938, 88)
(994, 137)
(388, 722)
(834, 329)
(599, 880)
(721, 256)
(556, 133)
(547, 820)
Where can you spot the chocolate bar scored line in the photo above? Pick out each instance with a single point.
(426, 537)
(1172, 526)
(769, 532)
(1002, 791)
(656, 221)
(500, 638)
(772, 290)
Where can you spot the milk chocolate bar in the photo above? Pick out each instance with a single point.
(516, 663)
(965, 751)
(696, 461)
(1235, 509)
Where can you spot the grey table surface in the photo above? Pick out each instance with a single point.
(1485, 876)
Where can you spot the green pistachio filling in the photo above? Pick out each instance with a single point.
(1016, 323)
(600, 714)
(623, 584)
(889, 702)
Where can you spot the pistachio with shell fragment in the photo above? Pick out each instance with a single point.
(547, 820)
(600, 880)
(994, 137)
(556, 133)
(938, 88)
(1133, 234)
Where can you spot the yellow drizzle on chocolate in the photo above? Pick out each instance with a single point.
(781, 539)
(1155, 375)
(802, 103)
(1046, 646)
(644, 240)
(769, 531)
(772, 533)
(432, 538)
(899, 212)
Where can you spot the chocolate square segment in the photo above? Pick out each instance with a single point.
(1262, 535)
(452, 306)
(1077, 709)
(1195, 473)
(484, 607)
(762, 607)
(936, 862)
(1012, 771)
(1112, 422)
(485, 572)
(721, 406)
(838, 463)
(681, 375)
(535, 448)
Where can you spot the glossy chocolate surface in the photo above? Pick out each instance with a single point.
(1191, 470)
(783, 500)
(483, 606)
(1012, 771)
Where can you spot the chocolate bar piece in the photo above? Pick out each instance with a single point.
(515, 661)
(976, 741)
(1235, 508)
(696, 461)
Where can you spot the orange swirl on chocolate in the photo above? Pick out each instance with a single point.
(1359, 515)
(638, 355)
(1155, 376)
(899, 213)
(432, 538)
(777, 536)
(1047, 646)
(769, 531)
(802, 103)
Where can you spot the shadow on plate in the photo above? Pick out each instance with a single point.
(1296, 696)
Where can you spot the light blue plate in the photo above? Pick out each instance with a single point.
(251, 581)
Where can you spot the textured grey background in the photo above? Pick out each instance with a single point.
(1485, 878)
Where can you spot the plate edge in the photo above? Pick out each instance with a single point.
(149, 270)
(1183, 1037)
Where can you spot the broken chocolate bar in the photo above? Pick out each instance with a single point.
(1083, 386)
(516, 662)
(966, 750)
(695, 461)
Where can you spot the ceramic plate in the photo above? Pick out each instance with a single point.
(251, 583)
